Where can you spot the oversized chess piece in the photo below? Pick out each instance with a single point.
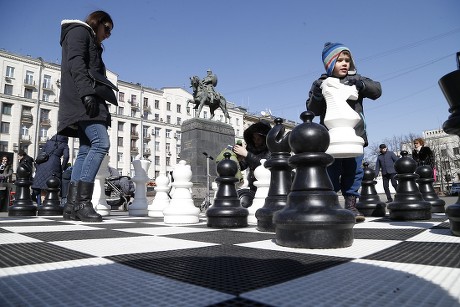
(312, 217)
(51, 205)
(99, 199)
(341, 119)
(262, 183)
(280, 176)
(408, 202)
(22, 204)
(449, 86)
(369, 203)
(139, 205)
(161, 200)
(181, 209)
(425, 186)
(227, 211)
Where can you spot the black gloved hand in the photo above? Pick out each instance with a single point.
(357, 82)
(317, 91)
(91, 105)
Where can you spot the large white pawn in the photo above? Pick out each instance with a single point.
(161, 200)
(263, 176)
(341, 119)
(181, 209)
(139, 205)
(99, 200)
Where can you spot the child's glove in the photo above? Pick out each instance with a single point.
(317, 91)
(357, 82)
(91, 105)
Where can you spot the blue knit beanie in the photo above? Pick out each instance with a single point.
(330, 54)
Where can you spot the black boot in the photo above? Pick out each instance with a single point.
(83, 207)
(69, 213)
(350, 204)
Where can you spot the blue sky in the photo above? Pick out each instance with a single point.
(266, 53)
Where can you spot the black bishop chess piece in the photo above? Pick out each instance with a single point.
(51, 205)
(369, 203)
(280, 176)
(312, 217)
(23, 204)
(227, 212)
(449, 86)
(408, 202)
(425, 186)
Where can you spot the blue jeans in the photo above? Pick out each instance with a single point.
(346, 175)
(94, 145)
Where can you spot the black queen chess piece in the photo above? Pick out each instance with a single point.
(450, 87)
(369, 203)
(227, 212)
(51, 205)
(280, 177)
(425, 186)
(23, 204)
(408, 202)
(312, 217)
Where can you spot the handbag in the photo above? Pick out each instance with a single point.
(103, 87)
(43, 156)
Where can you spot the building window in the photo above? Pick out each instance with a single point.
(47, 81)
(44, 133)
(121, 96)
(120, 157)
(237, 121)
(205, 114)
(157, 117)
(3, 146)
(178, 135)
(5, 127)
(157, 104)
(10, 71)
(168, 161)
(6, 108)
(133, 99)
(168, 106)
(188, 110)
(178, 148)
(120, 126)
(168, 119)
(179, 109)
(28, 93)
(179, 121)
(121, 110)
(145, 131)
(168, 133)
(44, 115)
(157, 131)
(120, 142)
(221, 118)
(168, 147)
(46, 96)
(146, 102)
(157, 146)
(29, 77)
(157, 160)
(8, 89)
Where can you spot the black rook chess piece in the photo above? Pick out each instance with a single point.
(449, 86)
(227, 212)
(280, 178)
(312, 217)
(51, 205)
(369, 203)
(425, 186)
(408, 203)
(22, 204)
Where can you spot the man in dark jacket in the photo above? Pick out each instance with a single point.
(385, 162)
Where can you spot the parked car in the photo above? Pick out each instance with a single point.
(455, 188)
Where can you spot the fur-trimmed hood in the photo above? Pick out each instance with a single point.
(68, 24)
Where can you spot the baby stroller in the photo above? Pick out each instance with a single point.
(119, 191)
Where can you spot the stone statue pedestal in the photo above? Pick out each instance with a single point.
(203, 135)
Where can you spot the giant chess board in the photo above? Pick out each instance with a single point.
(140, 261)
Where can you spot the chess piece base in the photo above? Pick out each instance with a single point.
(453, 212)
(410, 211)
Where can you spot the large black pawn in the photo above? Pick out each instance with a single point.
(280, 177)
(23, 204)
(227, 212)
(449, 86)
(369, 203)
(425, 186)
(51, 204)
(312, 217)
(408, 203)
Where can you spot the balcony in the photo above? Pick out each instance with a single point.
(43, 139)
(8, 79)
(147, 109)
(134, 134)
(26, 139)
(29, 84)
(27, 119)
(147, 137)
(147, 152)
(48, 87)
(45, 122)
(133, 104)
(134, 150)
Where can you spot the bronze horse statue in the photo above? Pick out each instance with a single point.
(202, 97)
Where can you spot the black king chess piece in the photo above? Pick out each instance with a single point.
(369, 203)
(425, 186)
(227, 212)
(312, 217)
(449, 86)
(280, 178)
(51, 205)
(22, 204)
(408, 202)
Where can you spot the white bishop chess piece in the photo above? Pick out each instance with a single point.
(341, 119)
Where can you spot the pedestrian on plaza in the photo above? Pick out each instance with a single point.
(385, 163)
(6, 174)
(346, 174)
(83, 111)
(422, 154)
(27, 161)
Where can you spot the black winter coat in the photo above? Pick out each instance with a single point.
(80, 52)
(57, 147)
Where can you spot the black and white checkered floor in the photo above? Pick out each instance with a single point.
(140, 261)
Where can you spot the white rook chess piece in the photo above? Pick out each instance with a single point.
(181, 209)
(262, 175)
(99, 199)
(139, 204)
(161, 200)
(341, 119)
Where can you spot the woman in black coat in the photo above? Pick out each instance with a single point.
(57, 148)
(83, 111)
(422, 154)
